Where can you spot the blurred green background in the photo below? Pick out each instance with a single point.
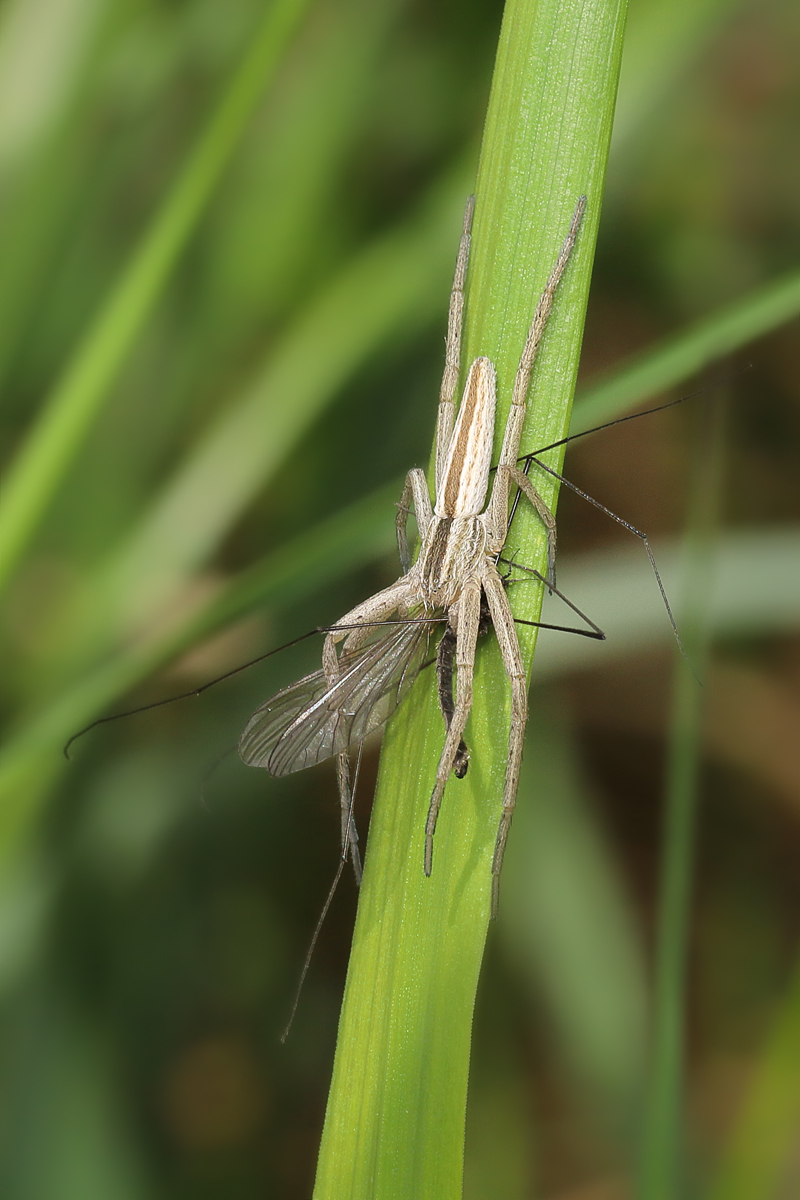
(234, 487)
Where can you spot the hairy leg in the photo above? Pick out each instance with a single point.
(503, 620)
(497, 511)
(452, 356)
(469, 610)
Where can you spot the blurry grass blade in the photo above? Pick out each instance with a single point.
(761, 1153)
(499, 1154)
(662, 39)
(295, 192)
(395, 1119)
(68, 1097)
(69, 411)
(663, 1166)
(567, 924)
(617, 588)
(42, 46)
(689, 351)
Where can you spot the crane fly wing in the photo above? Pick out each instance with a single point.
(311, 721)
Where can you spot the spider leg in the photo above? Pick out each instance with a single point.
(452, 358)
(469, 612)
(377, 608)
(416, 492)
(445, 662)
(548, 520)
(497, 511)
(503, 620)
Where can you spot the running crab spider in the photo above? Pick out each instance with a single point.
(366, 673)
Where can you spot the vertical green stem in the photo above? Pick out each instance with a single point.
(395, 1120)
(662, 1157)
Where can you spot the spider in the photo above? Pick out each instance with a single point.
(372, 656)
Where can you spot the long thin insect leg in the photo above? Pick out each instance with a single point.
(545, 516)
(598, 632)
(328, 901)
(132, 712)
(311, 948)
(719, 380)
(631, 529)
(209, 771)
(330, 665)
(346, 800)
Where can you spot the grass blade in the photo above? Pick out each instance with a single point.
(662, 1167)
(71, 408)
(395, 1119)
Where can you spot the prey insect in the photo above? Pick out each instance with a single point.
(371, 658)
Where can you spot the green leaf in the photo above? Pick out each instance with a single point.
(663, 1168)
(395, 1119)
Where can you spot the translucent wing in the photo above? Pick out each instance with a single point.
(310, 721)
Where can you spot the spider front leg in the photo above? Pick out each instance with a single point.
(469, 612)
(503, 620)
(521, 480)
(507, 471)
(452, 356)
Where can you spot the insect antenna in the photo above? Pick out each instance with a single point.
(198, 691)
(347, 843)
(132, 712)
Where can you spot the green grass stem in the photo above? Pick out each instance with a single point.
(395, 1118)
